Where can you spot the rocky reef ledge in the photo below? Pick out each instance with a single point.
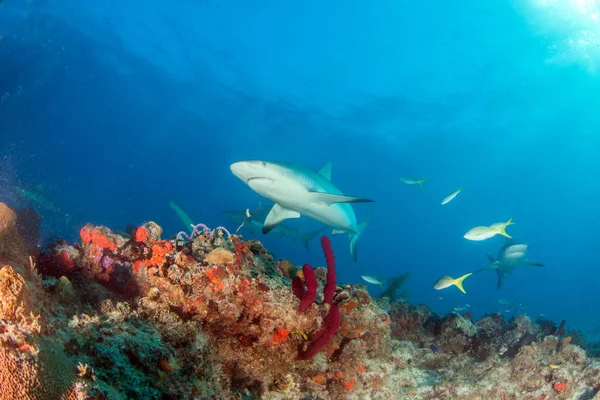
(135, 316)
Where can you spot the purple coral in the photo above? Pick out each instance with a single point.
(198, 229)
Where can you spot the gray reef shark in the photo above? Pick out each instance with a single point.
(36, 196)
(510, 256)
(300, 191)
(254, 224)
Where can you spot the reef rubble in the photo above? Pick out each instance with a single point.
(119, 316)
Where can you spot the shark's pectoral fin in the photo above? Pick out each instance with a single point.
(325, 171)
(533, 263)
(490, 257)
(494, 265)
(337, 232)
(276, 215)
(329, 198)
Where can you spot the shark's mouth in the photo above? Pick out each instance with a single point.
(259, 178)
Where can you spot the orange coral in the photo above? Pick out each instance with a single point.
(141, 234)
(349, 305)
(559, 387)
(320, 379)
(280, 336)
(349, 385)
(214, 275)
(95, 236)
(160, 250)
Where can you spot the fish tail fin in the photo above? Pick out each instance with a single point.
(309, 236)
(421, 183)
(459, 282)
(502, 230)
(355, 236)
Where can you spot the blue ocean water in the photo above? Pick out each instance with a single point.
(112, 109)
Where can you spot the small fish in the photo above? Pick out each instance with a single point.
(440, 297)
(451, 197)
(408, 180)
(485, 232)
(435, 349)
(447, 281)
(554, 366)
(372, 279)
(458, 309)
(467, 305)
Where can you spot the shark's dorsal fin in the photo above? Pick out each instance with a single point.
(325, 170)
(329, 198)
(276, 215)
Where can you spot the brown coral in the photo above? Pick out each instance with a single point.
(47, 376)
(13, 302)
(219, 256)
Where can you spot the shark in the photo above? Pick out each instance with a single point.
(254, 224)
(299, 191)
(37, 197)
(510, 256)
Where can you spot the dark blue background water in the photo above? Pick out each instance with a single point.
(120, 107)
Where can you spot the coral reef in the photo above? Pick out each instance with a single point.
(215, 317)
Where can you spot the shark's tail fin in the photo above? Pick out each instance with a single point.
(500, 278)
(307, 237)
(355, 236)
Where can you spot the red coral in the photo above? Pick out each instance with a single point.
(305, 294)
(331, 324)
(63, 257)
(330, 286)
(240, 248)
(332, 320)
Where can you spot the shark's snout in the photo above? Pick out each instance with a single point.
(242, 169)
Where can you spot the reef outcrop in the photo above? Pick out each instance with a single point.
(216, 317)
